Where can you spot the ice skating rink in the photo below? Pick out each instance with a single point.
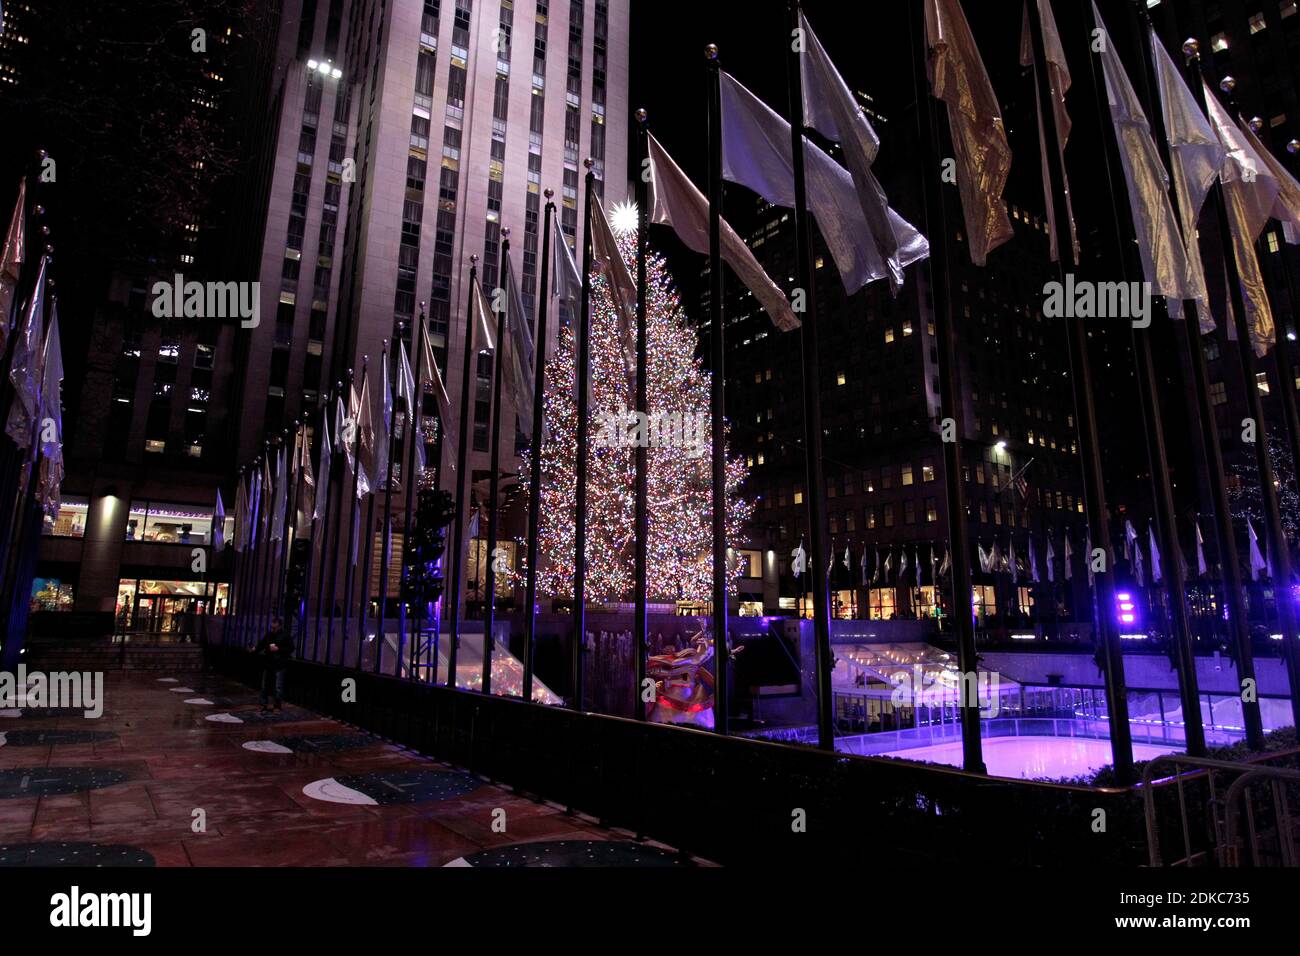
(1035, 757)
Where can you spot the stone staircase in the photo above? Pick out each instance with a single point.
(55, 655)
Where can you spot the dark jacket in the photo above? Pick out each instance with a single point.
(284, 647)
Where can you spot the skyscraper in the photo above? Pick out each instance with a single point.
(410, 134)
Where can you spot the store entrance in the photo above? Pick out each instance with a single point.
(166, 610)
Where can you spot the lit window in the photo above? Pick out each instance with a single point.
(1257, 23)
(1261, 382)
(840, 379)
(1219, 42)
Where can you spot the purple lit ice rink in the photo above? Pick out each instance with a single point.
(1035, 757)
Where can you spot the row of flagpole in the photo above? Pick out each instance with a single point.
(751, 145)
(31, 455)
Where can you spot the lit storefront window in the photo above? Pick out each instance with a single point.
(166, 607)
(166, 523)
(51, 594)
(71, 519)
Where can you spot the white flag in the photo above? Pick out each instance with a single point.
(219, 525)
(483, 314)
(363, 439)
(799, 560)
(520, 367)
(12, 256)
(49, 426)
(1033, 561)
(1249, 194)
(1051, 561)
(607, 260)
(1287, 208)
(947, 562)
(1197, 156)
(1201, 568)
(1157, 570)
(1164, 258)
(756, 154)
(986, 558)
(1059, 82)
(450, 425)
(326, 461)
(958, 77)
(379, 474)
(1068, 558)
(1011, 560)
(281, 501)
(675, 201)
(26, 370)
(1257, 562)
(830, 108)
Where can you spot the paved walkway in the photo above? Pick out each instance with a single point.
(182, 770)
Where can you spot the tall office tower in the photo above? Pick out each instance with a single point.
(13, 36)
(411, 132)
(148, 398)
(882, 452)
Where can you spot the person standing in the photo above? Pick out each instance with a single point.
(275, 650)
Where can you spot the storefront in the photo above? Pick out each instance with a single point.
(167, 607)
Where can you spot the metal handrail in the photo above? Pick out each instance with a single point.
(1248, 771)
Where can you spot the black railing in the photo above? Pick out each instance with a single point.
(729, 799)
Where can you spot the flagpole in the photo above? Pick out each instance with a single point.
(1182, 638)
(535, 478)
(385, 539)
(249, 538)
(368, 534)
(340, 444)
(236, 563)
(322, 477)
(494, 481)
(1231, 581)
(582, 328)
(1106, 632)
(268, 550)
(721, 649)
(1283, 586)
(467, 383)
(641, 512)
(949, 399)
(327, 526)
(293, 474)
(410, 487)
(812, 419)
(354, 509)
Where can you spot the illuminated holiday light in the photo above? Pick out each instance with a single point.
(680, 485)
(623, 219)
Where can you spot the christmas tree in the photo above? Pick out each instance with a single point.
(679, 449)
